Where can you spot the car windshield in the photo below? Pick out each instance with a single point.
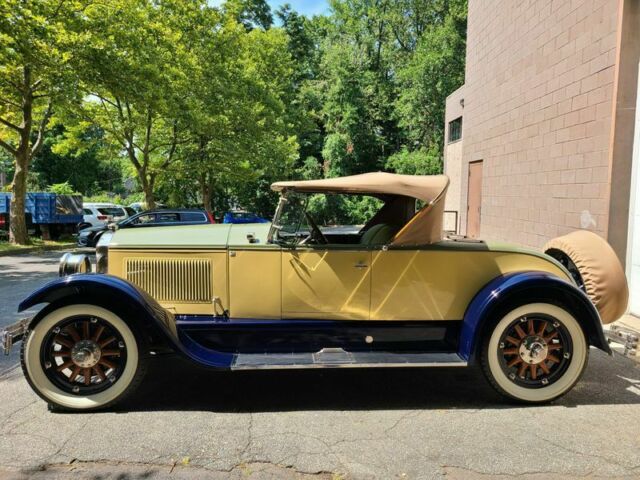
(339, 218)
(114, 211)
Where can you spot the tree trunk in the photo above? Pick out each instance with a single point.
(23, 154)
(17, 222)
(147, 188)
(207, 192)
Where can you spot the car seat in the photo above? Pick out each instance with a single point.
(379, 234)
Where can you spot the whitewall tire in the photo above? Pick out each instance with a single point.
(82, 357)
(536, 353)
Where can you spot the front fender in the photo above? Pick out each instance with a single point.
(111, 292)
(508, 291)
(137, 308)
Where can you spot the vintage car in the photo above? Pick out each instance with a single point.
(301, 293)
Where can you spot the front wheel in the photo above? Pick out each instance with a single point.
(82, 357)
(535, 354)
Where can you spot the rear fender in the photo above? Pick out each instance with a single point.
(508, 291)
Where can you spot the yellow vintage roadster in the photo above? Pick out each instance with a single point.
(320, 287)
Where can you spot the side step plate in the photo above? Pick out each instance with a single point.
(339, 358)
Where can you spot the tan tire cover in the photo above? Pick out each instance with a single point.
(601, 272)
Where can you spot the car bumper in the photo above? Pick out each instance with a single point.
(13, 333)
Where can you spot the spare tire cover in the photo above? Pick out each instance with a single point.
(601, 271)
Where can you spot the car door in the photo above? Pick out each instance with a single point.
(326, 282)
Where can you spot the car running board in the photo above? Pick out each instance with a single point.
(339, 358)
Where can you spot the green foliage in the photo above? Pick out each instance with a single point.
(124, 200)
(310, 169)
(37, 44)
(342, 209)
(206, 105)
(90, 167)
(64, 188)
(435, 69)
(416, 162)
(250, 13)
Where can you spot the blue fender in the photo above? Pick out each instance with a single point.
(148, 315)
(513, 289)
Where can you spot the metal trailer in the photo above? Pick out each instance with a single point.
(47, 213)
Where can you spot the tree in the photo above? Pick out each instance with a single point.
(433, 71)
(90, 166)
(238, 129)
(37, 41)
(136, 98)
(304, 43)
(385, 70)
(249, 13)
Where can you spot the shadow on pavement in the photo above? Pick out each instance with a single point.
(174, 384)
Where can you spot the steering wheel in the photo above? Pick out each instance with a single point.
(316, 234)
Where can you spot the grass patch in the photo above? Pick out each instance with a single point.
(36, 244)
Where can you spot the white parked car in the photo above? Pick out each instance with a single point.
(100, 214)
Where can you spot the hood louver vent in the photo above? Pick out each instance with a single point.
(171, 279)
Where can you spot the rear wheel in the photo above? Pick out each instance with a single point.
(536, 353)
(82, 357)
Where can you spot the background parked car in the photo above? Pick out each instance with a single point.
(102, 214)
(89, 237)
(243, 217)
(139, 207)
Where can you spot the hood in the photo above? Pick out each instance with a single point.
(219, 235)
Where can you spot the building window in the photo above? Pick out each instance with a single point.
(455, 129)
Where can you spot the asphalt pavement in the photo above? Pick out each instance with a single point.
(19, 276)
(186, 422)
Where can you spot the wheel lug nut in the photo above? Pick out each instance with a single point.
(512, 376)
(56, 330)
(501, 344)
(112, 378)
(566, 355)
(545, 381)
(47, 364)
(94, 320)
(76, 389)
(121, 344)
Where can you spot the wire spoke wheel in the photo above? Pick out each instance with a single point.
(83, 355)
(535, 353)
(535, 350)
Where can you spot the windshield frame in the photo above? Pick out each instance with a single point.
(276, 227)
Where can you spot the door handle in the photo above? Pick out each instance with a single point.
(361, 265)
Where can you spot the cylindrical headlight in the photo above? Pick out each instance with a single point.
(71, 263)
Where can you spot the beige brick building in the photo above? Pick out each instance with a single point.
(548, 124)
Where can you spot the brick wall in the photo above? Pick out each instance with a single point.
(538, 109)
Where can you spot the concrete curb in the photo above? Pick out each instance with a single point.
(41, 248)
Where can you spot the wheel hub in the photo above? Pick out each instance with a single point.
(86, 353)
(533, 350)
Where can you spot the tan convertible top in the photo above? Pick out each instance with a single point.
(423, 187)
(426, 225)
